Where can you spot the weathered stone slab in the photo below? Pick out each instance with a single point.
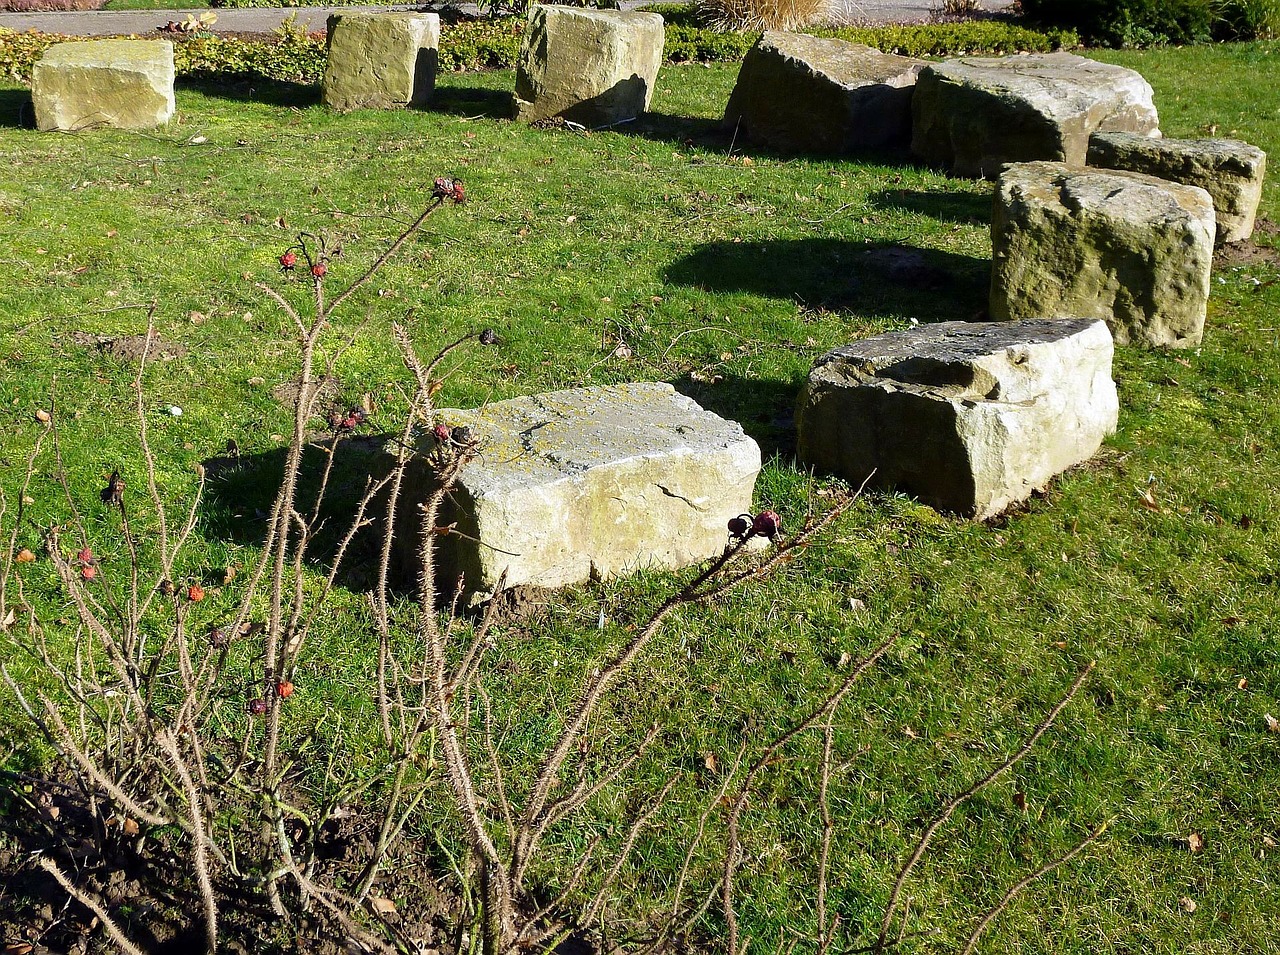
(798, 93)
(1130, 249)
(593, 482)
(127, 84)
(381, 60)
(1229, 170)
(973, 115)
(594, 67)
(970, 417)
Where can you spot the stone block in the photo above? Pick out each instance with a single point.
(1229, 170)
(801, 94)
(1132, 250)
(592, 482)
(970, 417)
(381, 60)
(127, 84)
(972, 115)
(594, 67)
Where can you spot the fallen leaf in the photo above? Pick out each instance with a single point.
(1268, 842)
(1273, 724)
(43, 416)
(382, 906)
(909, 733)
(129, 826)
(1020, 801)
(857, 605)
(8, 620)
(25, 556)
(709, 761)
(1232, 621)
(1187, 905)
(1195, 842)
(1243, 684)
(18, 948)
(844, 661)
(1148, 500)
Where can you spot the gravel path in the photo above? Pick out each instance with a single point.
(313, 19)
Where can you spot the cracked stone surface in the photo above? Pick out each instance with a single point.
(592, 482)
(381, 60)
(974, 114)
(126, 84)
(1132, 250)
(1229, 170)
(970, 417)
(594, 67)
(799, 93)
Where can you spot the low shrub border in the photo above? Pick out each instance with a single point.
(495, 44)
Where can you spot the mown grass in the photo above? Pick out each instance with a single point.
(727, 273)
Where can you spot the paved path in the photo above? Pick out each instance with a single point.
(312, 19)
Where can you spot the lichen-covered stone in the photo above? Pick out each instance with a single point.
(969, 417)
(1132, 250)
(798, 93)
(1229, 170)
(381, 60)
(594, 67)
(127, 84)
(592, 482)
(973, 115)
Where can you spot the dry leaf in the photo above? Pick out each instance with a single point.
(382, 906)
(25, 556)
(43, 416)
(18, 948)
(1195, 842)
(909, 733)
(1187, 905)
(1148, 500)
(1243, 684)
(8, 620)
(844, 660)
(1268, 842)
(857, 605)
(709, 761)
(1020, 801)
(129, 826)
(1232, 621)
(1273, 724)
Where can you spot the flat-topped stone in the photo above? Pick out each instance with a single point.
(593, 482)
(1229, 170)
(1132, 250)
(799, 93)
(974, 114)
(594, 67)
(381, 60)
(126, 84)
(970, 417)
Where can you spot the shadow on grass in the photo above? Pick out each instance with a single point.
(241, 490)
(764, 408)
(679, 130)
(928, 284)
(962, 207)
(474, 102)
(15, 109)
(256, 89)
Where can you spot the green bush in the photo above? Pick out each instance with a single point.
(1128, 22)
(495, 43)
(1246, 19)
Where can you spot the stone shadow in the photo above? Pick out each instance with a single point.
(471, 101)
(835, 274)
(253, 88)
(961, 207)
(240, 491)
(16, 110)
(764, 408)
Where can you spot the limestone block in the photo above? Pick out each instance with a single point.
(970, 417)
(594, 67)
(127, 84)
(1229, 170)
(593, 482)
(974, 114)
(1132, 250)
(381, 60)
(798, 93)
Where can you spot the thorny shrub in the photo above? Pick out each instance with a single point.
(177, 729)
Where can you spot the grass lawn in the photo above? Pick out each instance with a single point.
(726, 273)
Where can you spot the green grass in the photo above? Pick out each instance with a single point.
(156, 5)
(708, 265)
